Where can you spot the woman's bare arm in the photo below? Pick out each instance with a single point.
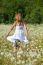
(12, 26)
(26, 30)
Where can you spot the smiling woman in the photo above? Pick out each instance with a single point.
(19, 30)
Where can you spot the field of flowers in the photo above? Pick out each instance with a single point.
(28, 54)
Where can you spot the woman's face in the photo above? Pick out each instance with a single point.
(18, 16)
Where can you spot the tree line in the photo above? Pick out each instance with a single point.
(32, 10)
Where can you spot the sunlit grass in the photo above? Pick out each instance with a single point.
(32, 54)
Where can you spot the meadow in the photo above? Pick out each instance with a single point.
(30, 54)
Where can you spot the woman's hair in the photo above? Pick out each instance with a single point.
(19, 12)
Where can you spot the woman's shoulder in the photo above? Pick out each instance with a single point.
(15, 23)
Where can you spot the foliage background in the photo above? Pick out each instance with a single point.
(32, 10)
(31, 54)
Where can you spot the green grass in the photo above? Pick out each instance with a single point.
(32, 54)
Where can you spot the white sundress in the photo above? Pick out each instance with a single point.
(18, 35)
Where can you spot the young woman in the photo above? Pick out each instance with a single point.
(21, 32)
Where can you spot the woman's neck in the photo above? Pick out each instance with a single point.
(19, 22)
